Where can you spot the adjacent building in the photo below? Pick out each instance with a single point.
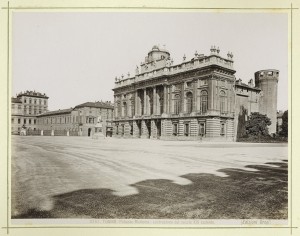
(29, 112)
(83, 120)
(199, 98)
(25, 108)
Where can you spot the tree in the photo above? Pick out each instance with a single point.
(241, 130)
(257, 124)
(284, 126)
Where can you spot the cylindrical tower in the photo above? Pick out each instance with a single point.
(267, 81)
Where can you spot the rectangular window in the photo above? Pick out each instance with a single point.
(12, 120)
(222, 132)
(30, 121)
(201, 128)
(24, 121)
(34, 121)
(186, 129)
(175, 129)
(123, 130)
(131, 129)
(19, 121)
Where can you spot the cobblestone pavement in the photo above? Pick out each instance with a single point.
(80, 177)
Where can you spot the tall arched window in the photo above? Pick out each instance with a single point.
(203, 101)
(124, 109)
(189, 102)
(222, 102)
(132, 108)
(119, 109)
(141, 101)
(177, 104)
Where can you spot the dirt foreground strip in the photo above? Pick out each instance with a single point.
(63, 177)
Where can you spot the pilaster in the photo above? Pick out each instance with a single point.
(153, 129)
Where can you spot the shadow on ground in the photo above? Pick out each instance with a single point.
(262, 194)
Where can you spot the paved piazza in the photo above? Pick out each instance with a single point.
(81, 177)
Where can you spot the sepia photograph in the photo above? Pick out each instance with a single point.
(149, 118)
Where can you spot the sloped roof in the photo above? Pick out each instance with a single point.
(96, 104)
(57, 112)
(16, 100)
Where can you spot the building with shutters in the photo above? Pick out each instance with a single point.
(85, 119)
(25, 108)
(199, 98)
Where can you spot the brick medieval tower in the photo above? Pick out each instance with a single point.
(267, 81)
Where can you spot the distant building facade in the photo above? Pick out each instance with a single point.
(25, 108)
(83, 120)
(30, 116)
(196, 99)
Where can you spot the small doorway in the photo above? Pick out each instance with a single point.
(89, 131)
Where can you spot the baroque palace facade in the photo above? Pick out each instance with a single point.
(196, 99)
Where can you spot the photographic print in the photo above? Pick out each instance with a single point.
(131, 117)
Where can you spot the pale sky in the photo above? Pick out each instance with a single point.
(74, 57)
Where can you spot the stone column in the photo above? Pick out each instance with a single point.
(145, 133)
(136, 131)
(145, 102)
(68, 133)
(129, 108)
(136, 103)
(165, 99)
(52, 132)
(154, 101)
(169, 98)
(195, 96)
(182, 99)
(42, 132)
(153, 129)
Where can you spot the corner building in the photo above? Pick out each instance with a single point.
(25, 108)
(191, 100)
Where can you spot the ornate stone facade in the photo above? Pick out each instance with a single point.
(196, 99)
